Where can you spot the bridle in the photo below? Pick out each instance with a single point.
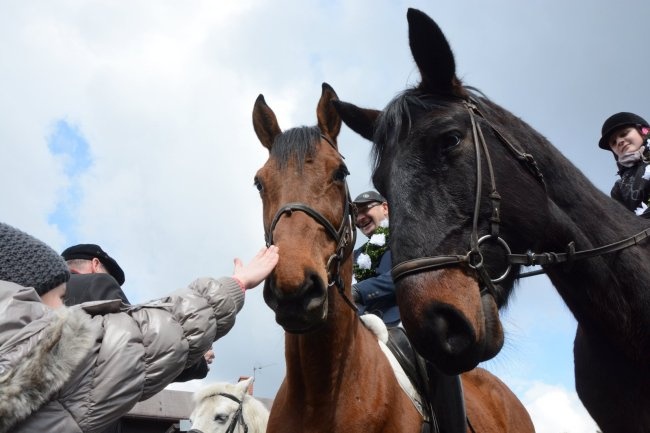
(344, 236)
(474, 258)
(238, 416)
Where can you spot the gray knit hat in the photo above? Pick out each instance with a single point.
(29, 262)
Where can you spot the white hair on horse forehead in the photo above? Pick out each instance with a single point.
(214, 389)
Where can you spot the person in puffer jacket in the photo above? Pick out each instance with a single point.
(78, 369)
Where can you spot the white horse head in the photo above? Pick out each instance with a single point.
(224, 407)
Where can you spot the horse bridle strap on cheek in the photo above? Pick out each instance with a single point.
(238, 416)
(473, 258)
(345, 238)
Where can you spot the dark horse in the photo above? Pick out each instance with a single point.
(468, 182)
(338, 378)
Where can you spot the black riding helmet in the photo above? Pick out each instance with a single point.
(616, 121)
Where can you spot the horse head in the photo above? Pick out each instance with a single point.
(308, 218)
(446, 159)
(227, 408)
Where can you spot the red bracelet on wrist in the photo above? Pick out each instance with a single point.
(241, 285)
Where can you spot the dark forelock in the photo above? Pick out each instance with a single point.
(296, 143)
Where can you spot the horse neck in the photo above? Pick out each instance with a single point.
(607, 293)
(317, 359)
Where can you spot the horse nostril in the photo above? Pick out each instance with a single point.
(313, 292)
(451, 331)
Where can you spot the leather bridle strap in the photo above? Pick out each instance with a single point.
(474, 257)
(532, 259)
(238, 416)
(289, 208)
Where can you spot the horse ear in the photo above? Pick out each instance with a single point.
(265, 123)
(360, 120)
(431, 53)
(329, 120)
(243, 385)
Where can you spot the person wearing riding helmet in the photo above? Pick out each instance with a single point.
(626, 136)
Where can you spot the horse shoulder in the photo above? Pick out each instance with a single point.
(489, 402)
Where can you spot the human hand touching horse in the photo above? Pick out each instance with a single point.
(257, 269)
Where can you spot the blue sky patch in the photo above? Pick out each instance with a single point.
(68, 143)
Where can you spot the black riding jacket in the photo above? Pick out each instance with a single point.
(633, 187)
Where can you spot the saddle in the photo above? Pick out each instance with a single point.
(443, 394)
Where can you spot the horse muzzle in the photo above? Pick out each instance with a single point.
(449, 322)
(298, 309)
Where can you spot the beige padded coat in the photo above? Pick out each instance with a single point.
(78, 369)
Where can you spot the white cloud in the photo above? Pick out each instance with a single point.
(554, 409)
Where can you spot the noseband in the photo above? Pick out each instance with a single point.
(238, 416)
(344, 237)
(474, 258)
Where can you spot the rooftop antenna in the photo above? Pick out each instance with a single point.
(259, 367)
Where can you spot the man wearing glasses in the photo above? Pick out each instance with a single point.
(373, 290)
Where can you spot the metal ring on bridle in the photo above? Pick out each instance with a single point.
(475, 259)
(333, 274)
(504, 245)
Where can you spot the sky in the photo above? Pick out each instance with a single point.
(128, 124)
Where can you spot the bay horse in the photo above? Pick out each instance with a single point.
(337, 376)
(224, 407)
(468, 184)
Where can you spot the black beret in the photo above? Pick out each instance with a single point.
(369, 197)
(90, 251)
(29, 262)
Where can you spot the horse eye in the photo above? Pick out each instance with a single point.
(450, 140)
(258, 184)
(340, 174)
(220, 417)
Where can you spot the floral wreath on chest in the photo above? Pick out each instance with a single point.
(365, 266)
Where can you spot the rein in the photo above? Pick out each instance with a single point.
(238, 417)
(345, 236)
(474, 258)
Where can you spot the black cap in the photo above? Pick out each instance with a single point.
(90, 251)
(616, 121)
(369, 197)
